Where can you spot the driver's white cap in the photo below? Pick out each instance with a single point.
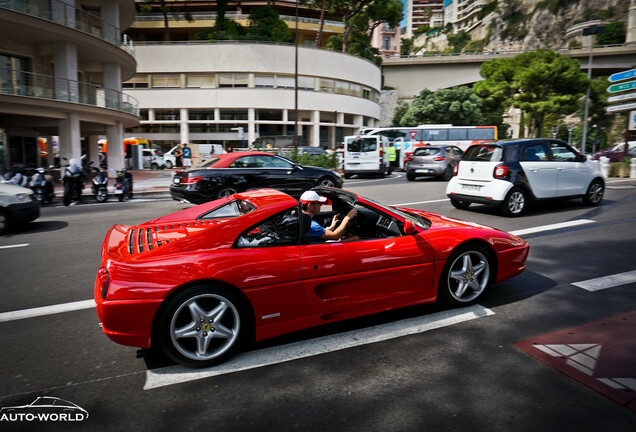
(312, 196)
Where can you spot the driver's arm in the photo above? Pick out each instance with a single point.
(335, 234)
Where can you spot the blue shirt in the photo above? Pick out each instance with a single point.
(186, 152)
(315, 231)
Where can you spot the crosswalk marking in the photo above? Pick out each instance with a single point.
(606, 282)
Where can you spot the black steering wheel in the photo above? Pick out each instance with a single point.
(355, 224)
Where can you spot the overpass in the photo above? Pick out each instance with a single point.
(409, 75)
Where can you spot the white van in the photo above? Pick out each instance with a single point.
(366, 154)
(204, 152)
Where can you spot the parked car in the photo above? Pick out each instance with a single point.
(433, 161)
(200, 282)
(512, 173)
(18, 206)
(229, 173)
(313, 151)
(205, 151)
(153, 159)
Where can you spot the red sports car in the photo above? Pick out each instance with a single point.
(200, 282)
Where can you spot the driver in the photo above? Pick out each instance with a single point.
(310, 203)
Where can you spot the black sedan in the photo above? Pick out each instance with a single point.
(229, 173)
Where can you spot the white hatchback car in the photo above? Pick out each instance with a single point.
(18, 205)
(512, 173)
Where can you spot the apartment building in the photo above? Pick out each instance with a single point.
(62, 63)
(423, 12)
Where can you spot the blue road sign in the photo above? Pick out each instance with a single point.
(619, 76)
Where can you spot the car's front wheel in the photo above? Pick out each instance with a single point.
(465, 276)
(202, 326)
(5, 221)
(515, 202)
(169, 164)
(594, 194)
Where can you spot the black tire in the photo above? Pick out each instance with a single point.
(203, 326)
(154, 166)
(466, 275)
(515, 202)
(121, 197)
(6, 223)
(101, 196)
(410, 176)
(325, 181)
(226, 192)
(594, 194)
(461, 205)
(66, 200)
(169, 164)
(447, 174)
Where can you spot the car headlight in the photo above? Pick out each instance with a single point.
(23, 197)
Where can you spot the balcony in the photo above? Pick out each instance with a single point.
(21, 83)
(69, 16)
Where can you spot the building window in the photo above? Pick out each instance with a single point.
(201, 115)
(327, 85)
(173, 115)
(201, 81)
(264, 81)
(386, 43)
(137, 82)
(233, 79)
(285, 81)
(166, 81)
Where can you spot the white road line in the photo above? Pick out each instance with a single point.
(419, 202)
(551, 227)
(178, 374)
(605, 282)
(46, 310)
(14, 246)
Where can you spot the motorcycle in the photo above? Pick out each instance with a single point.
(123, 184)
(16, 176)
(42, 185)
(73, 181)
(100, 185)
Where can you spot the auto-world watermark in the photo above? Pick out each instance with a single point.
(44, 409)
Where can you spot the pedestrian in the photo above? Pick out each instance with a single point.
(187, 156)
(178, 157)
(393, 156)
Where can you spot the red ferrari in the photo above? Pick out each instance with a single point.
(200, 282)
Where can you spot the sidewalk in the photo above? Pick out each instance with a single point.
(145, 182)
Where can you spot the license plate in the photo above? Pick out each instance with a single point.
(423, 171)
(118, 191)
(471, 187)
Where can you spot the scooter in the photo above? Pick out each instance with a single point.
(73, 182)
(100, 185)
(16, 176)
(42, 185)
(123, 184)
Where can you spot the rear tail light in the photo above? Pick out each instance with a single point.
(501, 171)
(408, 159)
(191, 180)
(104, 279)
(456, 169)
(439, 158)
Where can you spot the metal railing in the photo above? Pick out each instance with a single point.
(21, 83)
(70, 16)
(201, 16)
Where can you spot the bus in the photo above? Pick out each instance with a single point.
(410, 138)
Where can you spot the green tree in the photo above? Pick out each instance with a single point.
(167, 11)
(613, 33)
(458, 106)
(540, 83)
(265, 24)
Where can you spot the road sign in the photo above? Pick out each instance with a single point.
(623, 97)
(413, 134)
(632, 120)
(621, 87)
(624, 107)
(620, 76)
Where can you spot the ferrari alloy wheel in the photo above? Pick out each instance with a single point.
(226, 192)
(326, 181)
(201, 326)
(466, 275)
(515, 202)
(594, 194)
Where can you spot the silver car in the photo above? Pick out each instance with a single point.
(433, 161)
(18, 206)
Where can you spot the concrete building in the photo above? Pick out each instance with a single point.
(423, 12)
(234, 93)
(187, 94)
(387, 39)
(61, 67)
(462, 14)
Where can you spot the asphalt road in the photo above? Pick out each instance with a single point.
(460, 376)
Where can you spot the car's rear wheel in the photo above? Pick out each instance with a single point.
(226, 192)
(461, 205)
(465, 276)
(410, 176)
(326, 181)
(594, 194)
(202, 326)
(515, 202)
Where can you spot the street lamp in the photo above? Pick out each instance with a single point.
(589, 31)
